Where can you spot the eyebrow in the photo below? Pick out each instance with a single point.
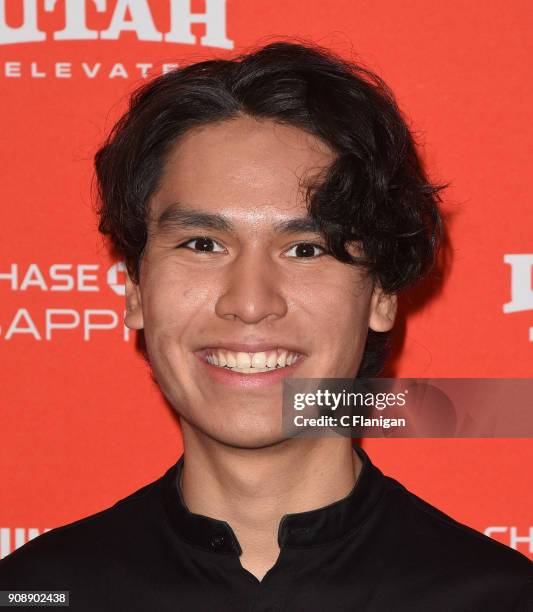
(176, 216)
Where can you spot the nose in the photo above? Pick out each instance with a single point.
(252, 290)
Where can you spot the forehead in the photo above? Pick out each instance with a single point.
(243, 168)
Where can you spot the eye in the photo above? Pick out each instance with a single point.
(204, 244)
(304, 250)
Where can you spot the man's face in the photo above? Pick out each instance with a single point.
(249, 281)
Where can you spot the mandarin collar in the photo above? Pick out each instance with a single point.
(297, 530)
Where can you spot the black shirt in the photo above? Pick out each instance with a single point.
(380, 549)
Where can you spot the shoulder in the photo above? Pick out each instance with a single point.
(451, 549)
(92, 544)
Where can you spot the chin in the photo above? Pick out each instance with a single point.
(239, 427)
(248, 436)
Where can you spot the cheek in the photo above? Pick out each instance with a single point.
(171, 303)
(168, 295)
(338, 305)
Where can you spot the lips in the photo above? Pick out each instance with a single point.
(256, 347)
(268, 359)
(249, 369)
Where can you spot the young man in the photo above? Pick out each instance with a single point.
(269, 210)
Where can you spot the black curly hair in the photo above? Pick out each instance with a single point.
(376, 191)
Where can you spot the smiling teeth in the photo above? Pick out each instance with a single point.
(251, 363)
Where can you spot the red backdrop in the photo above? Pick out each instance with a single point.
(82, 424)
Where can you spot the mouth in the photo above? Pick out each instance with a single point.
(250, 362)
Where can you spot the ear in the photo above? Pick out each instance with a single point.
(383, 308)
(134, 313)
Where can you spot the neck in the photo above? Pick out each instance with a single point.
(252, 489)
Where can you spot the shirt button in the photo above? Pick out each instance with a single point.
(216, 541)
